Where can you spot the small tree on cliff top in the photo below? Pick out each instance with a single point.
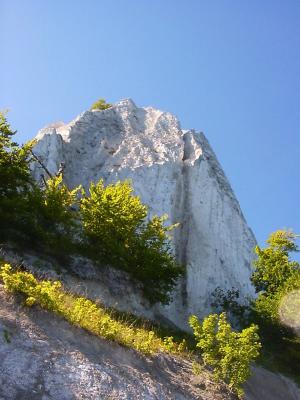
(101, 105)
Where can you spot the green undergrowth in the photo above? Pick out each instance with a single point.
(82, 312)
(161, 330)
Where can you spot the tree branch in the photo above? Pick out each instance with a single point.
(41, 164)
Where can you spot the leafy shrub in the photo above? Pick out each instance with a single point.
(101, 105)
(118, 233)
(110, 216)
(229, 353)
(45, 293)
(58, 202)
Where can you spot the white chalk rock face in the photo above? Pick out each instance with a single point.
(175, 172)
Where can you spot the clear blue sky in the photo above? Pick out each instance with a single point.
(228, 68)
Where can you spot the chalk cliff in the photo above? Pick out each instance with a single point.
(176, 172)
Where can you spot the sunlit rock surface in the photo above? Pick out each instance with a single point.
(175, 171)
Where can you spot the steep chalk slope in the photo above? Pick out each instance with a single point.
(45, 358)
(174, 171)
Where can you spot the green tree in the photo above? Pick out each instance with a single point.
(101, 105)
(110, 218)
(229, 353)
(276, 278)
(15, 178)
(275, 274)
(57, 204)
(273, 266)
(52, 218)
(117, 231)
(30, 213)
(151, 259)
(14, 162)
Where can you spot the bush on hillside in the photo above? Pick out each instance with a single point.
(229, 353)
(117, 231)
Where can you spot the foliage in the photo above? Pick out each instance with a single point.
(117, 232)
(15, 179)
(52, 216)
(273, 266)
(110, 213)
(84, 313)
(14, 171)
(58, 201)
(55, 206)
(230, 302)
(101, 105)
(229, 353)
(46, 218)
(30, 213)
(275, 274)
(275, 278)
(266, 307)
(196, 368)
(45, 293)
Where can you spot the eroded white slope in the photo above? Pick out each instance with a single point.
(45, 358)
(175, 172)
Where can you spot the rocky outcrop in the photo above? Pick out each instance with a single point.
(175, 172)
